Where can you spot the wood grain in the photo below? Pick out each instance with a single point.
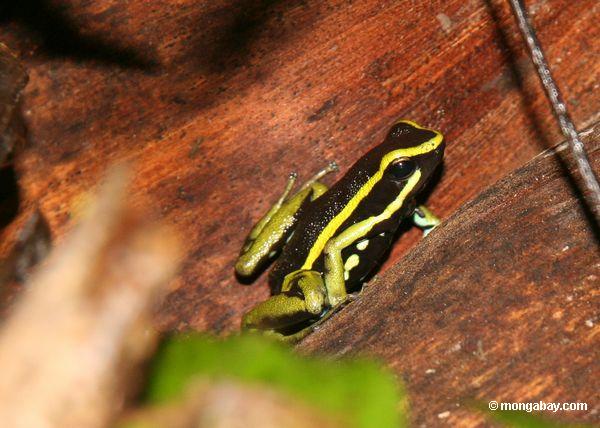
(499, 303)
(216, 102)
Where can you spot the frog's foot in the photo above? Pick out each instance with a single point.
(353, 296)
(331, 167)
(302, 299)
(299, 335)
(425, 219)
(313, 183)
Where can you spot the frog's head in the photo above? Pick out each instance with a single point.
(409, 155)
(389, 176)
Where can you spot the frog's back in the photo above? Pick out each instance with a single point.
(313, 218)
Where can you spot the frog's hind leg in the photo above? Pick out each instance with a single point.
(425, 219)
(273, 229)
(301, 334)
(313, 183)
(260, 224)
(303, 297)
(335, 268)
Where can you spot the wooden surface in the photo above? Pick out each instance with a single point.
(216, 102)
(12, 81)
(499, 303)
(13, 78)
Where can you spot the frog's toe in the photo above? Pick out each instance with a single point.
(244, 268)
(353, 296)
(308, 285)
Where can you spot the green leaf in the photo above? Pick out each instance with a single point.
(361, 390)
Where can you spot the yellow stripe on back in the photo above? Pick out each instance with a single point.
(329, 230)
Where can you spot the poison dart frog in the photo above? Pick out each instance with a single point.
(326, 241)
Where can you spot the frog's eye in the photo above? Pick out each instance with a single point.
(402, 168)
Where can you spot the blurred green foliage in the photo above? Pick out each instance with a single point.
(361, 391)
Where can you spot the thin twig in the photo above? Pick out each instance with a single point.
(558, 105)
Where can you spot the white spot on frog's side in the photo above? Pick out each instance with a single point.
(272, 254)
(351, 263)
(362, 244)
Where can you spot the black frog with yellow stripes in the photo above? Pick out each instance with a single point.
(327, 241)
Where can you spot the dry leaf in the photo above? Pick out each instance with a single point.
(81, 327)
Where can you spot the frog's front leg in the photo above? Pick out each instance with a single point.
(302, 298)
(271, 231)
(334, 264)
(425, 219)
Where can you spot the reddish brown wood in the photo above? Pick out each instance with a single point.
(228, 97)
(12, 81)
(500, 303)
(13, 78)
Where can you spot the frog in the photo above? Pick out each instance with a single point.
(323, 242)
